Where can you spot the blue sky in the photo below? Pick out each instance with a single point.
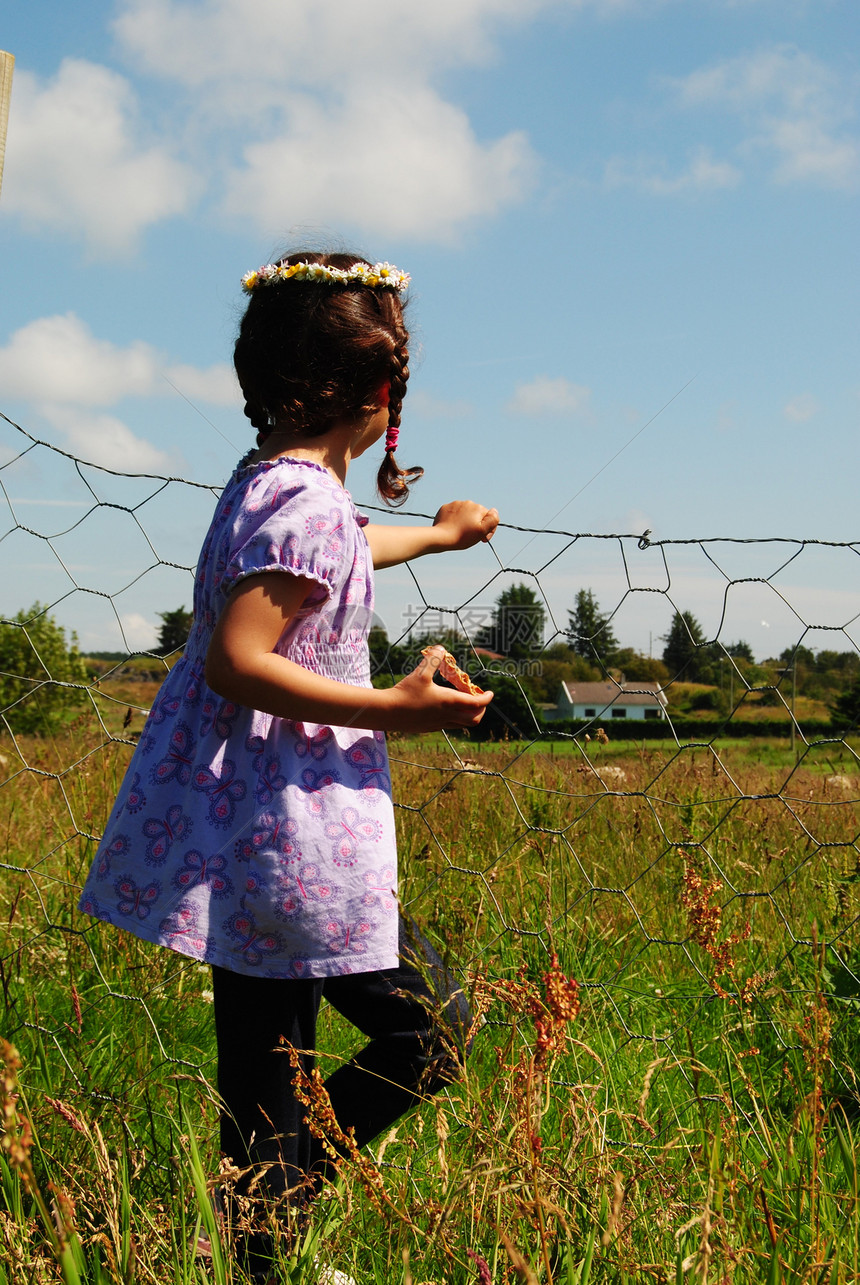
(599, 201)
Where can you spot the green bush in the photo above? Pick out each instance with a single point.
(40, 672)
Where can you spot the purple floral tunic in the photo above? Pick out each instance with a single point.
(256, 843)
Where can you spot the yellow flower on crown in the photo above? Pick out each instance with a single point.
(379, 276)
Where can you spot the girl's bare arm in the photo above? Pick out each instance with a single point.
(242, 666)
(457, 525)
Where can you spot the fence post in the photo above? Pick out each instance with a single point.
(7, 66)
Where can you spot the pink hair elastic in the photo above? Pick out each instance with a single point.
(391, 438)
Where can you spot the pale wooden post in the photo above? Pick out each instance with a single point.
(7, 64)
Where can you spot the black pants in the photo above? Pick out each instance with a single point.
(415, 1016)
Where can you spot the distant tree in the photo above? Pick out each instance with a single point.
(518, 624)
(687, 655)
(839, 662)
(37, 665)
(846, 707)
(174, 631)
(845, 662)
(797, 656)
(543, 686)
(637, 668)
(591, 633)
(740, 650)
(797, 670)
(834, 672)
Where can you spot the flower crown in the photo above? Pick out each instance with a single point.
(381, 276)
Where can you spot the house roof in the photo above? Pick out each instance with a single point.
(644, 693)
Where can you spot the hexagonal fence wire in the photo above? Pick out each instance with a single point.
(680, 829)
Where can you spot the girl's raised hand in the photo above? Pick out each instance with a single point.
(420, 705)
(463, 523)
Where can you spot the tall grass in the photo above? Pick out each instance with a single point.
(684, 1109)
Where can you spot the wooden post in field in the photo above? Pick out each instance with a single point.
(7, 64)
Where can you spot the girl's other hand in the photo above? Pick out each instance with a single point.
(463, 523)
(420, 705)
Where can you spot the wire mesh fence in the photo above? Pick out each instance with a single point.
(694, 866)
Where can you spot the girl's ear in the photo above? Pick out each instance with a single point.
(384, 395)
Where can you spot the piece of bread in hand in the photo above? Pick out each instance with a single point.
(453, 674)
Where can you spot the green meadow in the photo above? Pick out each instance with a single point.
(661, 949)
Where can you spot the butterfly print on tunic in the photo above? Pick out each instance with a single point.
(224, 791)
(270, 781)
(220, 715)
(300, 886)
(348, 937)
(210, 872)
(182, 930)
(177, 763)
(372, 763)
(91, 905)
(349, 833)
(162, 833)
(120, 846)
(314, 784)
(273, 834)
(330, 527)
(134, 900)
(254, 946)
(380, 892)
(315, 746)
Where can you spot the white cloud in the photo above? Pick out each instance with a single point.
(545, 396)
(138, 633)
(801, 408)
(702, 174)
(58, 360)
(64, 371)
(325, 167)
(262, 43)
(339, 126)
(795, 109)
(104, 439)
(808, 153)
(74, 159)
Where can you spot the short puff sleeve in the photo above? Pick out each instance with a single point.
(290, 524)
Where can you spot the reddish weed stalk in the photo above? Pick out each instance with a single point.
(705, 924)
(552, 1011)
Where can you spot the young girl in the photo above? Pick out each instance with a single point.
(254, 829)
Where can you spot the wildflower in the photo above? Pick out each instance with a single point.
(560, 1006)
(67, 1114)
(484, 1277)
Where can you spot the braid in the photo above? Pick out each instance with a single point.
(397, 384)
(393, 482)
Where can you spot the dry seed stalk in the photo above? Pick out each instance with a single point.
(322, 1122)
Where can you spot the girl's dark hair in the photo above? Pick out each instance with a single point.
(310, 354)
